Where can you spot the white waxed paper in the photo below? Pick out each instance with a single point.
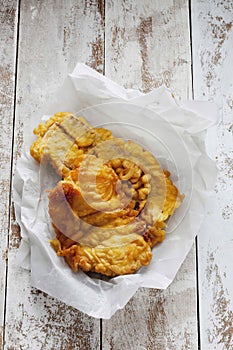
(181, 138)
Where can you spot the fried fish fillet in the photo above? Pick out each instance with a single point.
(97, 204)
(141, 168)
(173, 200)
(63, 138)
(52, 124)
(81, 242)
(118, 255)
(112, 203)
(70, 232)
(111, 260)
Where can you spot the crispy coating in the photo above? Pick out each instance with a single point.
(80, 243)
(69, 212)
(100, 202)
(91, 236)
(63, 138)
(111, 205)
(155, 234)
(173, 200)
(118, 255)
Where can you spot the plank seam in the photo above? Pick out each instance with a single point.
(198, 301)
(101, 334)
(11, 169)
(101, 321)
(104, 38)
(191, 45)
(196, 239)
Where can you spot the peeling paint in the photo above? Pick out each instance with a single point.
(97, 54)
(221, 316)
(7, 14)
(219, 29)
(165, 318)
(50, 325)
(158, 324)
(6, 76)
(143, 31)
(118, 38)
(19, 140)
(227, 212)
(1, 335)
(15, 236)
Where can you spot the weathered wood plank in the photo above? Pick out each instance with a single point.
(212, 23)
(8, 34)
(156, 319)
(53, 36)
(147, 44)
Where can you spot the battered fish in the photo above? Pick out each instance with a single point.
(111, 206)
(118, 255)
(63, 138)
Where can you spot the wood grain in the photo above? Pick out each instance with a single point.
(157, 319)
(212, 23)
(8, 20)
(53, 36)
(147, 45)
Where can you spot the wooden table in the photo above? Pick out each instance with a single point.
(188, 46)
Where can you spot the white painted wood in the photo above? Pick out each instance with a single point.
(147, 44)
(212, 23)
(157, 319)
(53, 36)
(8, 34)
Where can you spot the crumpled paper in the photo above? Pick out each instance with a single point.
(181, 136)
